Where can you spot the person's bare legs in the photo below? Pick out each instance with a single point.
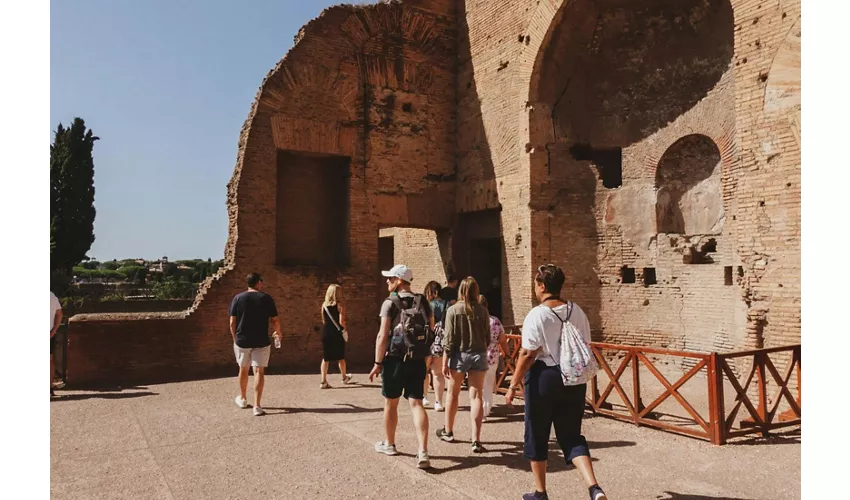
(585, 467)
(455, 385)
(259, 382)
(390, 419)
(439, 382)
(51, 373)
(425, 385)
(342, 369)
(324, 370)
(476, 402)
(538, 469)
(420, 420)
(244, 371)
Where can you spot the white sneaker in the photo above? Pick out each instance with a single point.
(240, 402)
(438, 406)
(386, 449)
(425, 402)
(423, 461)
(259, 411)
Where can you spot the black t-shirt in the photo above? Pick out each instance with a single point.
(448, 294)
(252, 310)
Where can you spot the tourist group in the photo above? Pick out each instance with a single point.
(447, 333)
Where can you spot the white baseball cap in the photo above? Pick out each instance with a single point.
(399, 271)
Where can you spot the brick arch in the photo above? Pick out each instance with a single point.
(721, 134)
(543, 23)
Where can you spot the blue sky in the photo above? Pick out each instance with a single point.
(166, 85)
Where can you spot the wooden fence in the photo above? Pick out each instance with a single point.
(718, 374)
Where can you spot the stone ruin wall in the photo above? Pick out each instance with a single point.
(452, 109)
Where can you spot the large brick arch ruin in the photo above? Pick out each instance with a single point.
(650, 151)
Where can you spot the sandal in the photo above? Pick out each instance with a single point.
(324, 385)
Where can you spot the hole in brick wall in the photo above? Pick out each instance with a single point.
(727, 275)
(627, 274)
(761, 203)
(502, 65)
(649, 277)
(608, 161)
(521, 38)
(407, 107)
(740, 273)
(312, 210)
(702, 255)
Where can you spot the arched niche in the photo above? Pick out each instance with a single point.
(689, 192)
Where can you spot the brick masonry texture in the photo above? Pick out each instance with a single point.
(462, 120)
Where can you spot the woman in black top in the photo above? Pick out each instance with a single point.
(333, 342)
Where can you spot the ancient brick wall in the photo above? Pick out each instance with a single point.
(521, 63)
(370, 85)
(652, 151)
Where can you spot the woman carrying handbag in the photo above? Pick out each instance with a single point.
(334, 335)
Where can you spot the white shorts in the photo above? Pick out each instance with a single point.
(258, 356)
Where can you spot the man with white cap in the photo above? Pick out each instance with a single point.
(402, 370)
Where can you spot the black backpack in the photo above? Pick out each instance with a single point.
(412, 337)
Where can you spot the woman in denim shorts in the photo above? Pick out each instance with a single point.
(467, 335)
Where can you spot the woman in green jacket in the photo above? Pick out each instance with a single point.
(467, 335)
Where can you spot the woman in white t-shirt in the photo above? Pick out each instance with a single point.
(548, 401)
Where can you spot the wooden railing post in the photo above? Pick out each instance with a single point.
(716, 408)
(798, 354)
(762, 388)
(636, 389)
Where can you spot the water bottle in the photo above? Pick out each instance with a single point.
(276, 341)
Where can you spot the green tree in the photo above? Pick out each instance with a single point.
(171, 288)
(134, 273)
(111, 265)
(170, 269)
(72, 210)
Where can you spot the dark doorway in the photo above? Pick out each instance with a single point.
(386, 260)
(478, 253)
(485, 265)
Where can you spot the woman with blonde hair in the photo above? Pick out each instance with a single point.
(438, 306)
(334, 335)
(467, 336)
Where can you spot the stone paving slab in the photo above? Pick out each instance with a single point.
(189, 441)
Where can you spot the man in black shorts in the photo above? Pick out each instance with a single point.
(401, 376)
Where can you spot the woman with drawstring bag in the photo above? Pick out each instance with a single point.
(555, 362)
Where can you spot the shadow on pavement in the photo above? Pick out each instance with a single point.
(101, 395)
(342, 408)
(511, 456)
(669, 495)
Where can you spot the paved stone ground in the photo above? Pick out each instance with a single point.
(189, 441)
